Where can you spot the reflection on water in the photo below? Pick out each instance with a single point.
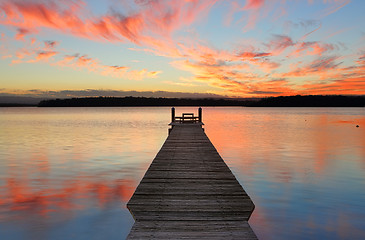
(67, 173)
(304, 168)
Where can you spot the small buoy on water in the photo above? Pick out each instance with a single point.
(357, 126)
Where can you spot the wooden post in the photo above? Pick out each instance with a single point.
(200, 114)
(172, 114)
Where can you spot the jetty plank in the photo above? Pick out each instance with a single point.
(188, 192)
(191, 230)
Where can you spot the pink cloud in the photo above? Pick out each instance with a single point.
(313, 48)
(217, 73)
(21, 32)
(254, 4)
(275, 87)
(157, 19)
(320, 67)
(251, 55)
(32, 55)
(45, 55)
(81, 62)
(320, 48)
(230, 71)
(50, 44)
(279, 43)
(253, 11)
(337, 5)
(23, 53)
(344, 86)
(46, 52)
(266, 65)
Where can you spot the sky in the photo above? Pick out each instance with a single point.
(230, 48)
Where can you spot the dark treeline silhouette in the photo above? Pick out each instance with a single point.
(288, 101)
(17, 105)
(138, 101)
(311, 101)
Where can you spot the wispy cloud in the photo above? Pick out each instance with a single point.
(322, 67)
(337, 5)
(253, 8)
(48, 53)
(157, 19)
(313, 48)
(342, 86)
(44, 55)
(78, 61)
(50, 44)
(279, 43)
(254, 4)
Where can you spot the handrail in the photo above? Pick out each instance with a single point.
(187, 119)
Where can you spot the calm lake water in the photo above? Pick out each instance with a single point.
(67, 173)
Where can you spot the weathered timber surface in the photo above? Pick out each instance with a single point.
(188, 192)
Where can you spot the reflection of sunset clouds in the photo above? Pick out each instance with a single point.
(19, 195)
(360, 121)
(61, 162)
(276, 139)
(303, 167)
(298, 164)
(40, 159)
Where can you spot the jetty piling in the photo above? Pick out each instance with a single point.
(188, 192)
(172, 114)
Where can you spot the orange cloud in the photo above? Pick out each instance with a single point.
(345, 86)
(313, 48)
(22, 53)
(218, 74)
(274, 87)
(361, 60)
(45, 55)
(34, 53)
(31, 15)
(232, 71)
(78, 61)
(266, 65)
(227, 70)
(21, 32)
(252, 55)
(321, 67)
(331, 78)
(50, 44)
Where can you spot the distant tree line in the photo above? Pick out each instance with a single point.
(137, 101)
(17, 105)
(311, 101)
(287, 101)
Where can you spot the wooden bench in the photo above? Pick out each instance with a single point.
(187, 118)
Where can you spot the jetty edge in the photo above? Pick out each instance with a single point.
(188, 192)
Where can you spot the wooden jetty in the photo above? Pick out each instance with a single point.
(188, 192)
